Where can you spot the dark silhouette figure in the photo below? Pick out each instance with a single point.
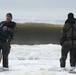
(68, 41)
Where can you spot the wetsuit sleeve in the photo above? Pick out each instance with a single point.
(12, 30)
(62, 37)
(1, 22)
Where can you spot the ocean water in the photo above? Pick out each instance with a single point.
(59, 22)
(38, 17)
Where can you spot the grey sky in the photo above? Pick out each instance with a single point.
(38, 8)
(37, 4)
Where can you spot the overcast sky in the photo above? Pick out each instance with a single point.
(38, 9)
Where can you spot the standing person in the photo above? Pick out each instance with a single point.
(68, 41)
(7, 30)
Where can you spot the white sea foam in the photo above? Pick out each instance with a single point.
(34, 60)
